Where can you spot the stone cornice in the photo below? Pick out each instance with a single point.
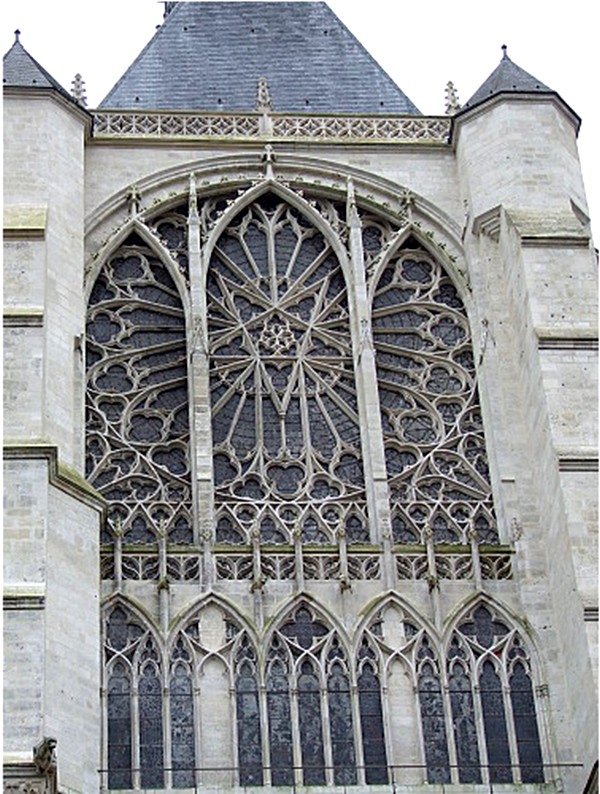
(31, 595)
(29, 92)
(60, 475)
(23, 317)
(123, 125)
(568, 340)
(466, 114)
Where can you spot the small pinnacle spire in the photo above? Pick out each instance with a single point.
(78, 90)
(505, 53)
(452, 101)
(17, 34)
(263, 96)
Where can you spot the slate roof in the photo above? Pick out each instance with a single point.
(210, 56)
(23, 71)
(507, 77)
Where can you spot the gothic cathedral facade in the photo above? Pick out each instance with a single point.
(299, 445)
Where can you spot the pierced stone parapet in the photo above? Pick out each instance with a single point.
(381, 129)
(283, 565)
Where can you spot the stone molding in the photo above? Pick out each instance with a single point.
(29, 595)
(17, 317)
(567, 342)
(60, 475)
(387, 129)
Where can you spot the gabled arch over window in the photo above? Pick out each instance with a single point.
(133, 663)
(432, 425)
(137, 434)
(490, 684)
(317, 734)
(286, 430)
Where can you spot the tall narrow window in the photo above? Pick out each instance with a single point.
(339, 702)
(371, 718)
(181, 708)
(463, 716)
(526, 729)
(119, 727)
(286, 430)
(310, 721)
(280, 716)
(433, 719)
(433, 431)
(248, 717)
(150, 704)
(137, 436)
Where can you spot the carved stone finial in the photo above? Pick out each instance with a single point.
(264, 103)
(134, 200)
(193, 199)
(351, 208)
(44, 755)
(452, 101)
(78, 90)
(268, 159)
(504, 49)
(17, 34)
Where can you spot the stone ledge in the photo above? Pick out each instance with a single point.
(23, 318)
(30, 595)
(25, 222)
(59, 474)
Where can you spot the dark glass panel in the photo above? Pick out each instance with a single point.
(151, 730)
(526, 729)
(494, 723)
(371, 723)
(248, 728)
(119, 729)
(183, 752)
(465, 732)
(311, 728)
(340, 722)
(280, 727)
(483, 628)
(434, 726)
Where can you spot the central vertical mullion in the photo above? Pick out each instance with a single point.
(366, 389)
(199, 379)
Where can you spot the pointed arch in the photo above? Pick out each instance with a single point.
(285, 418)
(491, 668)
(136, 227)
(433, 434)
(294, 199)
(137, 412)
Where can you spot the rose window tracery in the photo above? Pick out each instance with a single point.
(286, 433)
(137, 434)
(432, 425)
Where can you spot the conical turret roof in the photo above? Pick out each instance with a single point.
(21, 70)
(211, 56)
(507, 77)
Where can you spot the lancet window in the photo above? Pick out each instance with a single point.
(137, 429)
(286, 430)
(432, 425)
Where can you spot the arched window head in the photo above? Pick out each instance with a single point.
(137, 435)
(432, 426)
(286, 430)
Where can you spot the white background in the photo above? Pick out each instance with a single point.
(421, 45)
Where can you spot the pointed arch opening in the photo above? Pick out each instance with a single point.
(433, 432)
(137, 405)
(286, 429)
